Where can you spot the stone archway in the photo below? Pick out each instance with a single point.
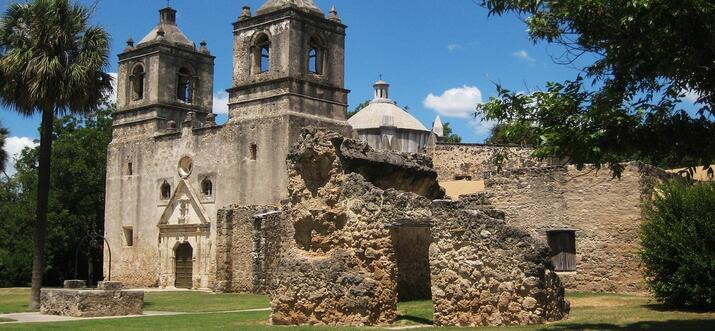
(184, 266)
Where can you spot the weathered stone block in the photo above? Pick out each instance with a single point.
(91, 303)
(75, 283)
(110, 286)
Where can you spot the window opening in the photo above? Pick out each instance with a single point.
(165, 191)
(207, 187)
(137, 82)
(184, 91)
(265, 58)
(130, 169)
(313, 61)
(128, 236)
(254, 152)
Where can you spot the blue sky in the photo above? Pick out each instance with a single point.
(439, 56)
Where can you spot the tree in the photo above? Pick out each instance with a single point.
(3, 154)
(648, 54)
(358, 108)
(51, 62)
(449, 136)
(513, 134)
(678, 244)
(76, 202)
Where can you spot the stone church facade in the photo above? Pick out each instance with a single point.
(170, 168)
(193, 204)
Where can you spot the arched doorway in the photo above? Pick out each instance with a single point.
(184, 266)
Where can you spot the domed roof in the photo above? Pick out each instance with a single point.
(305, 5)
(384, 112)
(167, 26)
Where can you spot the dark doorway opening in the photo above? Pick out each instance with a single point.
(184, 266)
(411, 246)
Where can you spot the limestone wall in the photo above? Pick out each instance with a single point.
(487, 273)
(604, 212)
(472, 161)
(344, 264)
(249, 240)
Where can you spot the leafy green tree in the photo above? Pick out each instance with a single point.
(624, 105)
(3, 154)
(358, 108)
(51, 62)
(76, 202)
(513, 134)
(450, 136)
(678, 244)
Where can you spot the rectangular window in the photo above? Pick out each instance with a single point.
(563, 249)
(130, 169)
(128, 236)
(254, 152)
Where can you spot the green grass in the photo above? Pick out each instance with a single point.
(14, 300)
(590, 311)
(199, 302)
(3, 320)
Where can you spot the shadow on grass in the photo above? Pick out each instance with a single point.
(679, 325)
(666, 308)
(414, 319)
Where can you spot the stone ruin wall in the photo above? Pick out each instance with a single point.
(604, 212)
(249, 240)
(342, 268)
(473, 161)
(487, 273)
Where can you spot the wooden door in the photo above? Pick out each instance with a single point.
(563, 249)
(184, 266)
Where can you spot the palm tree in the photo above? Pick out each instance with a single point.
(52, 62)
(3, 154)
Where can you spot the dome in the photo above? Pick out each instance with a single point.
(171, 32)
(383, 112)
(304, 5)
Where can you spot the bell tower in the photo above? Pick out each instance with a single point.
(289, 59)
(161, 81)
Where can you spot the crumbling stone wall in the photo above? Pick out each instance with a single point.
(249, 240)
(342, 267)
(487, 273)
(473, 161)
(605, 213)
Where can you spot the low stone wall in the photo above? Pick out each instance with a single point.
(473, 161)
(91, 303)
(343, 266)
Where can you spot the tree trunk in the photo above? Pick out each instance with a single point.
(43, 191)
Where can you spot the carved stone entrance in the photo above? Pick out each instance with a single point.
(184, 266)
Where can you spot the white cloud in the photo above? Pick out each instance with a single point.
(457, 102)
(113, 95)
(220, 102)
(481, 128)
(453, 47)
(523, 55)
(690, 96)
(14, 146)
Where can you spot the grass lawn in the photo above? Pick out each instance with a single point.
(589, 311)
(14, 300)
